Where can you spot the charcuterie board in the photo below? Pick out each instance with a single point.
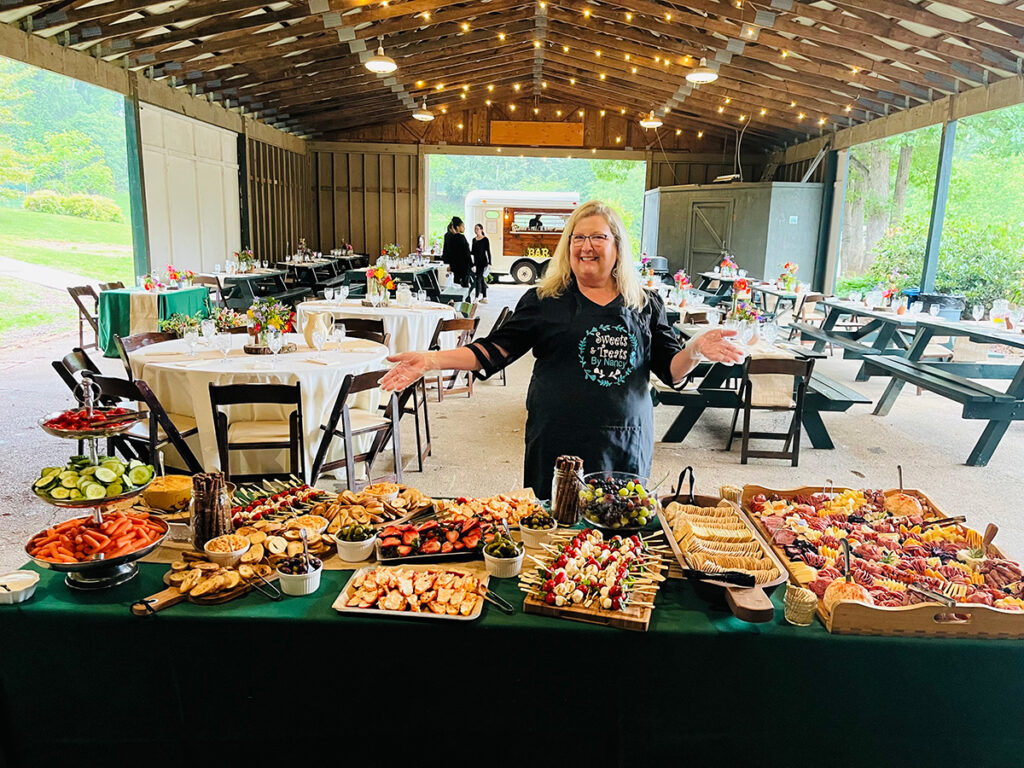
(964, 618)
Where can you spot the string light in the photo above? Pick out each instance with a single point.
(801, 116)
(462, 96)
(598, 54)
(488, 102)
(516, 87)
(847, 108)
(536, 111)
(586, 13)
(465, 27)
(499, 149)
(627, 57)
(536, 43)
(419, 83)
(602, 75)
(501, 35)
(581, 113)
(490, 87)
(460, 125)
(743, 118)
(465, 87)
(629, 17)
(444, 110)
(543, 83)
(602, 113)
(785, 54)
(657, 59)
(622, 111)
(565, 49)
(792, 103)
(821, 121)
(558, 112)
(721, 110)
(426, 15)
(618, 139)
(572, 81)
(764, 112)
(634, 70)
(593, 151)
(512, 107)
(678, 131)
(440, 87)
(666, 62)
(700, 134)
(855, 70)
(728, 100)
(543, 5)
(668, 17)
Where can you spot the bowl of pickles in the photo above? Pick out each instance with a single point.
(355, 542)
(536, 528)
(503, 556)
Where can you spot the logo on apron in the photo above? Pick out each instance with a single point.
(608, 354)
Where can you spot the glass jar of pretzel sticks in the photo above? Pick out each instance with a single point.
(565, 485)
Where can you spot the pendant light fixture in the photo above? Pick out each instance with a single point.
(423, 114)
(379, 63)
(702, 74)
(651, 121)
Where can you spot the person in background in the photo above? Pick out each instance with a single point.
(456, 251)
(534, 223)
(480, 247)
(597, 335)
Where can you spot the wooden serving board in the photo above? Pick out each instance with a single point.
(921, 620)
(340, 604)
(750, 604)
(636, 618)
(166, 598)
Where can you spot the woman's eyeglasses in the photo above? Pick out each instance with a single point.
(595, 240)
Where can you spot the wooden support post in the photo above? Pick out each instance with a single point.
(136, 179)
(939, 199)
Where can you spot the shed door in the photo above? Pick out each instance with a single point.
(710, 233)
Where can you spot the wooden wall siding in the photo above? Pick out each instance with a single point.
(795, 171)
(609, 131)
(666, 174)
(368, 199)
(279, 199)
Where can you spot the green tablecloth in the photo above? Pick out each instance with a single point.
(115, 311)
(81, 678)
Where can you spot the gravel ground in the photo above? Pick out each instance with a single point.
(477, 446)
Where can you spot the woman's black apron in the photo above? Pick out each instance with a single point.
(590, 391)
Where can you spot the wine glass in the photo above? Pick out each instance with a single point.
(977, 312)
(770, 332)
(266, 263)
(319, 339)
(216, 269)
(713, 317)
(1016, 313)
(933, 310)
(421, 296)
(338, 334)
(192, 339)
(341, 293)
(746, 332)
(209, 329)
(223, 342)
(328, 294)
(275, 340)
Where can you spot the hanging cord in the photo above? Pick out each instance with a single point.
(664, 154)
(737, 165)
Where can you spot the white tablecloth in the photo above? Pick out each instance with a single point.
(411, 328)
(182, 385)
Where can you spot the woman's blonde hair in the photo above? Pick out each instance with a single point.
(559, 272)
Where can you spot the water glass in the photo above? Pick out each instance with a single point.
(328, 294)
(341, 293)
(421, 296)
(275, 340)
(1015, 316)
(338, 333)
(718, 270)
(223, 342)
(977, 312)
(216, 269)
(266, 263)
(743, 273)
(713, 317)
(192, 339)
(933, 310)
(209, 329)
(854, 297)
(770, 332)
(319, 339)
(746, 332)
(141, 282)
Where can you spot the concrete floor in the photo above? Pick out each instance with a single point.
(478, 445)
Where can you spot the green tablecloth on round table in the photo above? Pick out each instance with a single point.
(84, 681)
(115, 311)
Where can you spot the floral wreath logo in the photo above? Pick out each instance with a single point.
(605, 375)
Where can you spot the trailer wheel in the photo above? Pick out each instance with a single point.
(524, 272)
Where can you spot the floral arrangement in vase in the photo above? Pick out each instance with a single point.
(682, 281)
(745, 311)
(180, 276)
(223, 320)
(891, 289)
(246, 260)
(787, 280)
(179, 323)
(226, 318)
(150, 283)
(728, 267)
(270, 313)
(392, 251)
(378, 282)
(740, 289)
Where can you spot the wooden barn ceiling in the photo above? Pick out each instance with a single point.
(787, 69)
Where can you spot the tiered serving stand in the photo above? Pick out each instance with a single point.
(98, 573)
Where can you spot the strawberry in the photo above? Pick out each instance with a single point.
(404, 550)
(431, 547)
(452, 536)
(470, 524)
(411, 538)
(447, 547)
(428, 526)
(488, 537)
(392, 541)
(471, 541)
(459, 545)
(391, 530)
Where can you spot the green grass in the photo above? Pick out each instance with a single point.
(40, 310)
(97, 250)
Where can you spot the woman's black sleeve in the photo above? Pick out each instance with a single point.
(487, 246)
(664, 342)
(513, 340)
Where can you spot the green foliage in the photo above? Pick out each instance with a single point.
(857, 283)
(70, 162)
(91, 207)
(982, 263)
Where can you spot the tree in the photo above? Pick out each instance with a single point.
(70, 162)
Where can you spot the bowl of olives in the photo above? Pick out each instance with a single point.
(355, 542)
(504, 556)
(617, 501)
(299, 575)
(536, 528)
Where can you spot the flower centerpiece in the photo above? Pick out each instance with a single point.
(226, 318)
(178, 323)
(392, 251)
(787, 280)
(378, 283)
(891, 288)
(150, 283)
(682, 287)
(646, 271)
(180, 276)
(728, 267)
(246, 260)
(745, 311)
(269, 313)
(222, 317)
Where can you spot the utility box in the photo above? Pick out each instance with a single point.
(763, 225)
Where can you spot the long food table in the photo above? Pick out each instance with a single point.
(85, 682)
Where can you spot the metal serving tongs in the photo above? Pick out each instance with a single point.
(931, 594)
(495, 599)
(269, 590)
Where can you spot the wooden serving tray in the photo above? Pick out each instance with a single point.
(921, 620)
(636, 618)
(750, 604)
(341, 602)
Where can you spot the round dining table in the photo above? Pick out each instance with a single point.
(181, 383)
(411, 327)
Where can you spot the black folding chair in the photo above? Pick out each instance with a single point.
(256, 435)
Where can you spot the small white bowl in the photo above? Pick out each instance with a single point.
(22, 585)
(226, 559)
(355, 551)
(535, 537)
(504, 567)
(298, 584)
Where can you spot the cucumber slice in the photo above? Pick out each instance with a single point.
(67, 473)
(84, 481)
(51, 471)
(79, 459)
(60, 493)
(47, 481)
(115, 489)
(95, 491)
(70, 482)
(88, 471)
(140, 475)
(105, 475)
(135, 463)
(76, 495)
(117, 466)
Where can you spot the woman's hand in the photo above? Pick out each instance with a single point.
(713, 345)
(411, 367)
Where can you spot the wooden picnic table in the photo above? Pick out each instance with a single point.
(724, 282)
(240, 290)
(316, 275)
(823, 394)
(953, 380)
